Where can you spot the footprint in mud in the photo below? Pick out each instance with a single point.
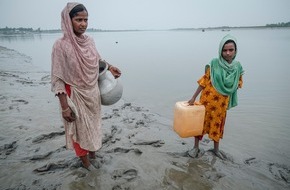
(104, 158)
(280, 172)
(191, 153)
(119, 187)
(111, 115)
(178, 154)
(125, 150)
(178, 164)
(107, 116)
(52, 167)
(140, 123)
(214, 176)
(22, 127)
(24, 81)
(6, 74)
(250, 161)
(40, 157)
(126, 105)
(7, 149)
(15, 104)
(222, 155)
(110, 138)
(131, 135)
(20, 101)
(145, 121)
(46, 78)
(128, 175)
(154, 143)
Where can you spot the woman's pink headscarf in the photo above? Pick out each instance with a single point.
(75, 59)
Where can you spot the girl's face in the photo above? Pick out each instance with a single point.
(80, 23)
(229, 52)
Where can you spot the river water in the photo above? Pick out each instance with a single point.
(160, 68)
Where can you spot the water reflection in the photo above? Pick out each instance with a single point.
(20, 37)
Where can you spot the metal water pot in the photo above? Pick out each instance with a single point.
(111, 89)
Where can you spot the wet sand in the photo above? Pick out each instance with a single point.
(140, 149)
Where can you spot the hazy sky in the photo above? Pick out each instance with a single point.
(147, 14)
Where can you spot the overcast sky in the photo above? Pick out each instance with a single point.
(147, 14)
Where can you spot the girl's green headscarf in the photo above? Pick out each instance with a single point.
(224, 76)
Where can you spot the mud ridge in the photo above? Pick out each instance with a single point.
(45, 137)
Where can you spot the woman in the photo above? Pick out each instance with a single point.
(74, 79)
(218, 87)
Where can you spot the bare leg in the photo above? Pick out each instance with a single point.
(196, 142)
(194, 152)
(85, 161)
(216, 146)
(93, 160)
(217, 152)
(92, 155)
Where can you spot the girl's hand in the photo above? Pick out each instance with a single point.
(115, 71)
(191, 101)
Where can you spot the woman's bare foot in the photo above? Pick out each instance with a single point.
(92, 155)
(85, 161)
(91, 168)
(87, 164)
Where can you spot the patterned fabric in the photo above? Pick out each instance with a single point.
(75, 62)
(215, 108)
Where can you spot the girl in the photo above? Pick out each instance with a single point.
(218, 87)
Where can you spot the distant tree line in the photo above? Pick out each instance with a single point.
(22, 30)
(19, 30)
(282, 24)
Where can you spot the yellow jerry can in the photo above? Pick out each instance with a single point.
(188, 119)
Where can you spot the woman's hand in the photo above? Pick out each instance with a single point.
(68, 115)
(115, 71)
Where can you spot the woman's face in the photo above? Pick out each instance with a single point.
(80, 23)
(229, 52)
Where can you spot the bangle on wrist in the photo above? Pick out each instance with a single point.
(65, 109)
(110, 66)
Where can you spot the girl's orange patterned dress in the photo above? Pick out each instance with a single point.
(215, 108)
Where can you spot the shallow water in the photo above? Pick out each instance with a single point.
(162, 67)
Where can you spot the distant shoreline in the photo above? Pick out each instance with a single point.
(24, 31)
(225, 28)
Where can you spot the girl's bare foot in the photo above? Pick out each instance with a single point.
(193, 152)
(218, 154)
